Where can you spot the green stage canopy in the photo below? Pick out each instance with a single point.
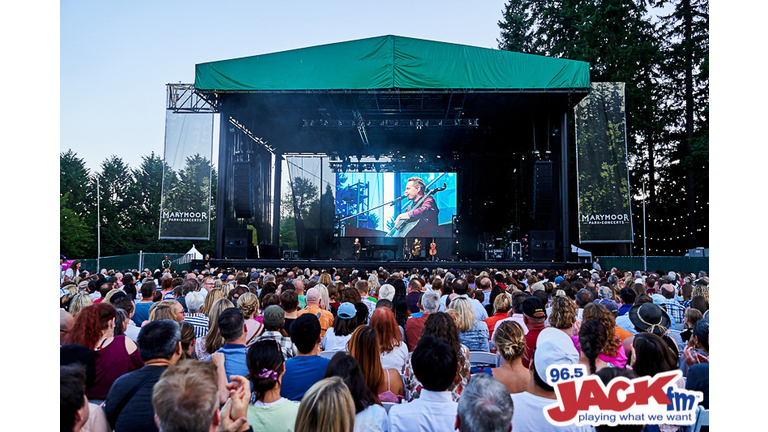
(392, 62)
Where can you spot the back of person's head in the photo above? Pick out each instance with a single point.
(384, 322)
(700, 302)
(542, 295)
(265, 366)
(692, 316)
(305, 332)
(195, 301)
(78, 302)
(123, 301)
(289, 300)
(326, 406)
(460, 286)
(312, 297)
(517, 301)
(147, 290)
(186, 397)
(434, 363)
(502, 303)
(365, 348)
(563, 313)
(188, 286)
(430, 301)
(485, 406)
(72, 398)
(78, 355)
(345, 366)
(509, 339)
(627, 296)
(158, 339)
(231, 324)
(90, 324)
(652, 355)
(386, 292)
(592, 338)
(248, 303)
(362, 287)
(443, 326)
(584, 297)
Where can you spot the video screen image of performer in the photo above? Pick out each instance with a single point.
(420, 217)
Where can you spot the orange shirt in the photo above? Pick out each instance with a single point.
(492, 320)
(621, 333)
(326, 317)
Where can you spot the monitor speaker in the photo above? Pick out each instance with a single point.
(542, 245)
(236, 243)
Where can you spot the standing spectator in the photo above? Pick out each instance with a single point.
(289, 300)
(115, 355)
(327, 406)
(123, 302)
(369, 414)
(429, 304)
(269, 411)
(485, 406)
(307, 368)
(248, 303)
(213, 340)
(232, 355)
(129, 403)
(434, 362)
(394, 351)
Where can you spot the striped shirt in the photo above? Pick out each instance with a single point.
(199, 322)
(286, 345)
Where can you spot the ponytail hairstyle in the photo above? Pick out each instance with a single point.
(510, 340)
(265, 365)
(592, 337)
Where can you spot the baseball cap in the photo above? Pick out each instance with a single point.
(659, 300)
(534, 308)
(610, 304)
(701, 329)
(553, 347)
(346, 311)
(274, 315)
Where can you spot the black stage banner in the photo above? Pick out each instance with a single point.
(601, 165)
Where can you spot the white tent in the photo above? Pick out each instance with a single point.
(583, 256)
(195, 253)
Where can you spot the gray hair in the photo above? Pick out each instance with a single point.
(387, 291)
(485, 405)
(430, 301)
(269, 278)
(605, 293)
(195, 300)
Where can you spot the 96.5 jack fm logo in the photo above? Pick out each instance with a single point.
(584, 400)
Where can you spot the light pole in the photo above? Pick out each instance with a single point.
(98, 226)
(645, 247)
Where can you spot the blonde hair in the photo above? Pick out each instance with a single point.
(701, 290)
(324, 297)
(465, 318)
(213, 340)
(502, 303)
(325, 279)
(226, 288)
(510, 340)
(163, 310)
(109, 295)
(78, 302)
(248, 303)
(327, 406)
(563, 312)
(212, 296)
(71, 290)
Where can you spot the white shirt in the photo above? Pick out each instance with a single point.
(333, 343)
(396, 358)
(432, 411)
(528, 415)
(372, 419)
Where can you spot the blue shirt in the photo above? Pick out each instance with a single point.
(141, 313)
(235, 362)
(301, 373)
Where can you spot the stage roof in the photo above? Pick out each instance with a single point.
(392, 62)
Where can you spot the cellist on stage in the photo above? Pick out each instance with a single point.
(425, 214)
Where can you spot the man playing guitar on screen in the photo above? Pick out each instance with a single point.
(425, 214)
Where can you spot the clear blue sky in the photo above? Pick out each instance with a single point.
(117, 57)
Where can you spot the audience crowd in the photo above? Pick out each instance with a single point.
(364, 350)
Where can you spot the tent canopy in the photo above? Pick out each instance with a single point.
(391, 62)
(195, 253)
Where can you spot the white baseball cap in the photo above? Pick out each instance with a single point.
(553, 347)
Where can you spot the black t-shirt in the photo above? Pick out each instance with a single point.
(138, 414)
(287, 324)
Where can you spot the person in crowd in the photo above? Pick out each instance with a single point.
(274, 318)
(516, 313)
(592, 339)
(188, 340)
(307, 367)
(167, 309)
(231, 357)
(701, 303)
(129, 403)
(692, 316)
(485, 406)
(73, 403)
(78, 302)
(370, 415)
(698, 364)
(613, 351)
(510, 344)
(213, 340)
(115, 355)
(363, 288)
(65, 326)
(186, 399)
(651, 318)
(562, 314)
(625, 323)
(386, 292)
(327, 406)
(502, 303)
(434, 362)
(289, 300)
(345, 322)
(554, 347)
(627, 296)
(472, 332)
(535, 318)
(141, 312)
(428, 304)
(268, 410)
(248, 303)
(462, 289)
(414, 294)
(210, 298)
(441, 325)
(123, 302)
(195, 316)
(394, 351)
(315, 307)
(385, 383)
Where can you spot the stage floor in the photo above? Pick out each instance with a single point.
(243, 264)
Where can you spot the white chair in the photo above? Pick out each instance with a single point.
(480, 358)
(328, 354)
(702, 419)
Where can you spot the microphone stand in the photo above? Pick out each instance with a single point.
(393, 202)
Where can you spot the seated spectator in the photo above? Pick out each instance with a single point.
(327, 406)
(65, 326)
(562, 313)
(345, 322)
(268, 410)
(117, 355)
(315, 307)
(591, 340)
(613, 350)
(369, 414)
(429, 304)
(485, 406)
(502, 303)
(434, 361)
(698, 372)
(129, 403)
(554, 347)
(692, 316)
(651, 318)
(73, 401)
(195, 316)
(510, 344)
(472, 332)
(414, 294)
(535, 317)
(78, 302)
(394, 352)
(441, 325)
(516, 313)
(185, 399)
(213, 340)
(307, 368)
(385, 383)
(167, 309)
(274, 316)
(289, 300)
(248, 303)
(627, 300)
(625, 323)
(123, 302)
